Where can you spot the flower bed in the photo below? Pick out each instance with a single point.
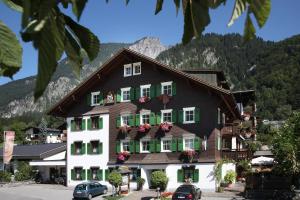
(166, 126)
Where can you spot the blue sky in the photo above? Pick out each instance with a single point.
(115, 22)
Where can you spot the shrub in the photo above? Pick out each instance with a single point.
(115, 179)
(140, 182)
(159, 179)
(230, 177)
(24, 172)
(5, 176)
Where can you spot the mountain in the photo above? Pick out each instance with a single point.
(16, 97)
(270, 68)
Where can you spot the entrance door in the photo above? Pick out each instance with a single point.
(53, 174)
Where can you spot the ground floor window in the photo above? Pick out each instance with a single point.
(78, 173)
(188, 174)
(145, 146)
(94, 173)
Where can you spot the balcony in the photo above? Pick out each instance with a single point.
(236, 155)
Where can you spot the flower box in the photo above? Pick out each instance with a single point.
(188, 155)
(166, 126)
(122, 156)
(144, 127)
(125, 129)
(144, 99)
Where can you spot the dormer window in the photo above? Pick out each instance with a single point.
(95, 98)
(127, 70)
(137, 70)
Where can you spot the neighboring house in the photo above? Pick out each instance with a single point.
(37, 135)
(159, 115)
(49, 159)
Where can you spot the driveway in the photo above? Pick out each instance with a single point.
(38, 192)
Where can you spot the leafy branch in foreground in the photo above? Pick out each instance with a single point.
(53, 33)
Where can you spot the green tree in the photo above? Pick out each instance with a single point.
(286, 147)
(53, 33)
(159, 179)
(115, 179)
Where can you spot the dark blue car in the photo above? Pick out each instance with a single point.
(88, 190)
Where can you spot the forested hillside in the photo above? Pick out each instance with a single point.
(271, 68)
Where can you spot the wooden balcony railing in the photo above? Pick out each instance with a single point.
(236, 154)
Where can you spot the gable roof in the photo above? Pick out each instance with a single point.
(68, 100)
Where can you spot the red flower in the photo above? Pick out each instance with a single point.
(142, 128)
(147, 126)
(165, 126)
(189, 153)
(122, 156)
(143, 99)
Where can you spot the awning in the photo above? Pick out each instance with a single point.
(48, 163)
(262, 160)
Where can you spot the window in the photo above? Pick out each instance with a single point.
(95, 98)
(125, 94)
(166, 145)
(78, 124)
(125, 146)
(77, 147)
(189, 115)
(94, 147)
(127, 70)
(188, 174)
(78, 173)
(95, 122)
(188, 143)
(145, 118)
(137, 68)
(94, 173)
(145, 146)
(125, 120)
(166, 88)
(166, 115)
(145, 90)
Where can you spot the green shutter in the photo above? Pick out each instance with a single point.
(158, 90)
(152, 91)
(100, 148)
(174, 144)
(174, 116)
(196, 176)
(82, 150)
(180, 116)
(132, 94)
(137, 92)
(158, 146)
(197, 115)
(179, 175)
(100, 174)
(89, 174)
(83, 174)
(118, 121)
(89, 148)
(100, 123)
(106, 174)
(118, 147)
(137, 119)
(137, 146)
(100, 98)
(73, 125)
(72, 174)
(173, 89)
(158, 118)
(72, 149)
(152, 119)
(118, 96)
(89, 124)
(131, 120)
(131, 146)
(83, 124)
(152, 146)
(180, 144)
(88, 99)
(197, 143)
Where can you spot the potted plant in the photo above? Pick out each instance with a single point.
(230, 177)
(189, 155)
(144, 99)
(144, 127)
(140, 183)
(122, 156)
(165, 126)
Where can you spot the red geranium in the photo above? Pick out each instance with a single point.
(189, 154)
(122, 156)
(165, 126)
(143, 99)
(144, 127)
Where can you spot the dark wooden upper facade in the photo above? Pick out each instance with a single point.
(190, 92)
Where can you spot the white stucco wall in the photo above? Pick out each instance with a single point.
(58, 156)
(87, 161)
(226, 167)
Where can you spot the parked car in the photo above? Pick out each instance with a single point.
(187, 191)
(88, 190)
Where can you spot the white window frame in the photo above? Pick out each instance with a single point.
(122, 122)
(148, 112)
(92, 98)
(123, 90)
(121, 148)
(144, 87)
(125, 68)
(162, 145)
(188, 138)
(184, 115)
(141, 145)
(162, 115)
(166, 84)
(133, 68)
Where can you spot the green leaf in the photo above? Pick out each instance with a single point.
(188, 25)
(14, 4)
(50, 49)
(249, 30)
(159, 4)
(239, 7)
(88, 41)
(10, 52)
(200, 16)
(177, 4)
(261, 10)
(78, 6)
